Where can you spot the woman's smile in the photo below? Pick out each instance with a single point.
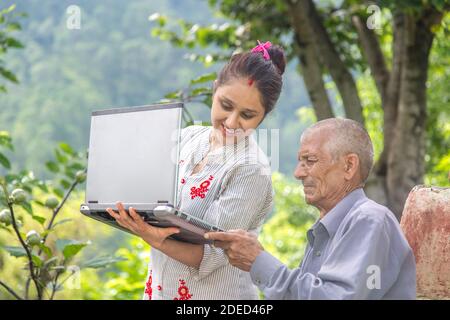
(227, 132)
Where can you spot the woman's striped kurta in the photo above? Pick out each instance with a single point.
(232, 191)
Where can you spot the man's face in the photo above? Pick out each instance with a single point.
(322, 177)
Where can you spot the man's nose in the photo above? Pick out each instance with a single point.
(300, 172)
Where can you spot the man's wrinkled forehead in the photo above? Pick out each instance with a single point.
(315, 139)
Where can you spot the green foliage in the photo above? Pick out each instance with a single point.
(127, 280)
(284, 234)
(437, 158)
(65, 74)
(47, 254)
(8, 24)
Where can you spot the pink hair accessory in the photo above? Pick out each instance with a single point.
(262, 47)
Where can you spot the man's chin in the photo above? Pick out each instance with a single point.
(309, 198)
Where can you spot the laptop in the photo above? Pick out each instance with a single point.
(133, 158)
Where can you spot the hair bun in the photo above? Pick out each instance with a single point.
(277, 56)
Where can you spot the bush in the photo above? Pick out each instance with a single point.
(29, 231)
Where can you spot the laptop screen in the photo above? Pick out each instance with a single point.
(133, 154)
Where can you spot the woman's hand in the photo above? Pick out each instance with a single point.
(154, 236)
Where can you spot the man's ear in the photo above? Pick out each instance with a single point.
(351, 166)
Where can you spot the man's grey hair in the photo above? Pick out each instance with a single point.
(347, 136)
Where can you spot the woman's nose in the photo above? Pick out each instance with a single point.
(232, 121)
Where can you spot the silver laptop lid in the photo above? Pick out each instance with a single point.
(133, 154)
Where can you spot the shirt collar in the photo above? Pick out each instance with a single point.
(334, 217)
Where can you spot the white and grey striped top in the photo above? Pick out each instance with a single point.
(232, 191)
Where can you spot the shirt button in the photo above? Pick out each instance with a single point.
(318, 253)
(258, 281)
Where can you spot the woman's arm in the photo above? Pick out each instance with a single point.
(186, 253)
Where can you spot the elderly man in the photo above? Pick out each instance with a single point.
(356, 249)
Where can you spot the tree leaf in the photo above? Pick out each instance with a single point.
(5, 228)
(173, 95)
(58, 192)
(70, 247)
(52, 166)
(46, 250)
(205, 78)
(27, 207)
(77, 166)
(62, 222)
(5, 140)
(4, 161)
(69, 173)
(15, 251)
(43, 186)
(8, 10)
(8, 75)
(36, 260)
(13, 43)
(200, 91)
(60, 157)
(65, 184)
(66, 148)
(101, 262)
(39, 219)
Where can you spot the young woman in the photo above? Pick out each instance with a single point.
(224, 179)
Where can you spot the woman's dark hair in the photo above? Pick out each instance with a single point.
(265, 74)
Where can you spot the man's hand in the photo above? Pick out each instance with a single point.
(240, 246)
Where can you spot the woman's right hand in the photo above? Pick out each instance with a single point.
(154, 236)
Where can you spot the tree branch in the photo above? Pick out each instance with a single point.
(58, 208)
(11, 291)
(373, 54)
(328, 54)
(311, 69)
(390, 104)
(22, 242)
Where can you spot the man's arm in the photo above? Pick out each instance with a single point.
(345, 273)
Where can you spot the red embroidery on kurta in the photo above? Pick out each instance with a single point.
(183, 291)
(148, 287)
(183, 181)
(200, 192)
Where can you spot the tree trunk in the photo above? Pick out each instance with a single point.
(390, 102)
(407, 150)
(329, 56)
(403, 95)
(311, 69)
